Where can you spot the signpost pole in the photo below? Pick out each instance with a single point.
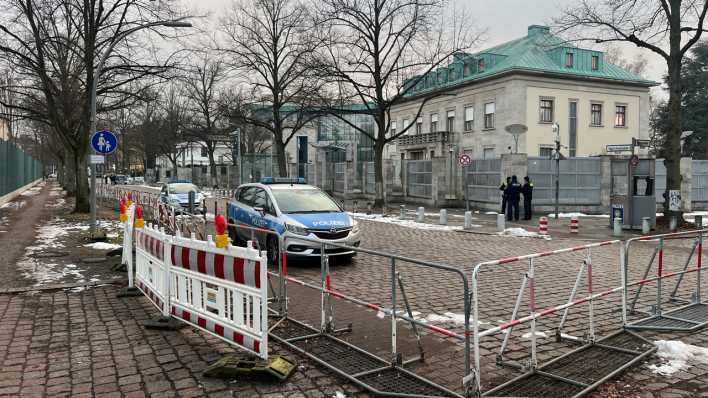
(556, 130)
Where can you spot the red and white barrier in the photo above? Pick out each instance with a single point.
(543, 226)
(222, 291)
(574, 225)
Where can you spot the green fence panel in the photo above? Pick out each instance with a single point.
(17, 168)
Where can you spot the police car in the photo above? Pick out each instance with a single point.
(293, 210)
(176, 194)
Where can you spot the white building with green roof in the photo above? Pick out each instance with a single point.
(535, 80)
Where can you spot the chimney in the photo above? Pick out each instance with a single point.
(538, 30)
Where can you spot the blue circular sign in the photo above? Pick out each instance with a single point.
(104, 142)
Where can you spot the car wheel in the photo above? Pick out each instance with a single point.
(272, 247)
(235, 240)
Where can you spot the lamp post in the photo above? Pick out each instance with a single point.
(556, 137)
(94, 88)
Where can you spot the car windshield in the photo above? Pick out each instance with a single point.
(183, 188)
(304, 201)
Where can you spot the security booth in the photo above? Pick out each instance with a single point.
(632, 194)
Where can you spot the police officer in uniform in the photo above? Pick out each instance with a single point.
(503, 188)
(527, 191)
(513, 196)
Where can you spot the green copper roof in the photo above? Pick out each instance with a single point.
(537, 52)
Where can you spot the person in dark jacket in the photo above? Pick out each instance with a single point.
(513, 195)
(527, 191)
(502, 188)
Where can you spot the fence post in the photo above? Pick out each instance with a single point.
(420, 216)
(395, 359)
(468, 220)
(443, 216)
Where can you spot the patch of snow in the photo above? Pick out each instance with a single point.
(490, 213)
(103, 246)
(575, 214)
(677, 356)
(18, 204)
(527, 336)
(380, 315)
(43, 272)
(520, 232)
(691, 217)
(59, 203)
(31, 192)
(339, 394)
(404, 223)
(450, 318)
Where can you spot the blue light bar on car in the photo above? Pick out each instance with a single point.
(282, 180)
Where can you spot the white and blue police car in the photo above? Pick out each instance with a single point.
(293, 210)
(176, 194)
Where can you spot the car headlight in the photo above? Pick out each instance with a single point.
(296, 229)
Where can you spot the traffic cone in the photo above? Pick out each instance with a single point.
(221, 239)
(139, 222)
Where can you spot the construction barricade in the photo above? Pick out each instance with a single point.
(551, 286)
(222, 291)
(665, 292)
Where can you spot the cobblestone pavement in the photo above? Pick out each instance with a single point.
(86, 341)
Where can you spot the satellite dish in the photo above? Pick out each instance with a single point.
(516, 130)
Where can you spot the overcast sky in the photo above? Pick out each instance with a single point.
(505, 20)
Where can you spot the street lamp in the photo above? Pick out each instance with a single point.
(94, 87)
(556, 138)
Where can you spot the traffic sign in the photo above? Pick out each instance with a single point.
(464, 159)
(96, 159)
(104, 142)
(619, 148)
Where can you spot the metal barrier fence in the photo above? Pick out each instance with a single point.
(692, 312)
(579, 180)
(221, 291)
(17, 168)
(340, 169)
(535, 312)
(699, 180)
(483, 180)
(419, 178)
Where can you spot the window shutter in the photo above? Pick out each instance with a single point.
(489, 108)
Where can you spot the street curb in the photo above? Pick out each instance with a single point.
(16, 290)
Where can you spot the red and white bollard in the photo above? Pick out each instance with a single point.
(574, 225)
(543, 226)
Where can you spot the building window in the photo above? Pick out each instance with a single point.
(596, 114)
(545, 151)
(223, 170)
(204, 170)
(480, 65)
(204, 152)
(450, 120)
(546, 111)
(569, 60)
(489, 153)
(434, 123)
(620, 116)
(572, 128)
(469, 118)
(489, 115)
(406, 123)
(595, 62)
(393, 128)
(419, 126)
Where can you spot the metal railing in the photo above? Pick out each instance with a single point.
(427, 138)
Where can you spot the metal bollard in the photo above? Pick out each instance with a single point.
(646, 225)
(673, 223)
(403, 212)
(501, 222)
(420, 216)
(698, 220)
(617, 227)
(468, 220)
(443, 217)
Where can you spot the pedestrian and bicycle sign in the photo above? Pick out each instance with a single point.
(104, 142)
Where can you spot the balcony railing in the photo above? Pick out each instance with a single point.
(427, 138)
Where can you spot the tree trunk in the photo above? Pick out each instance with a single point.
(69, 173)
(280, 157)
(672, 149)
(378, 171)
(213, 180)
(82, 187)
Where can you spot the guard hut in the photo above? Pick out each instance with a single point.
(632, 195)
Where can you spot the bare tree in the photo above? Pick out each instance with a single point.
(375, 45)
(206, 118)
(167, 138)
(53, 47)
(271, 43)
(668, 28)
(637, 64)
